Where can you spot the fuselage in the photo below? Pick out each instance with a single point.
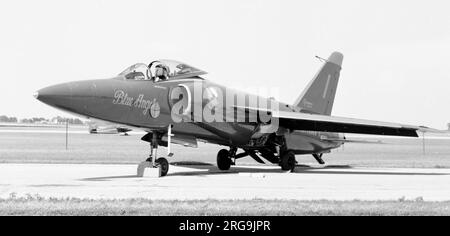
(150, 105)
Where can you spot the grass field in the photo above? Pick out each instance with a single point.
(35, 147)
(38, 206)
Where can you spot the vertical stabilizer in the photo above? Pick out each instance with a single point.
(318, 96)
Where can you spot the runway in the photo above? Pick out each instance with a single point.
(207, 182)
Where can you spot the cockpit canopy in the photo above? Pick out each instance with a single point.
(137, 71)
(161, 70)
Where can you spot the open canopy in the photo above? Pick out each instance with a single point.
(180, 70)
(172, 69)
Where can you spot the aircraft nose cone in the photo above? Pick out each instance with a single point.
(57, 95)
(78, 97)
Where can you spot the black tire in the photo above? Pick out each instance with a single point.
(223, 160)
(287, 161)
(164, 165)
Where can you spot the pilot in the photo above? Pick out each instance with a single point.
(161, 73)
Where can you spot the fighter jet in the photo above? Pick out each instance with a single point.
(106, 128)
(174, 104)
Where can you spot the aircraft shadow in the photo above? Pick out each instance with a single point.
(212, 170)
(361, 172)
(300, 169)
(207, 169)
(107, 178)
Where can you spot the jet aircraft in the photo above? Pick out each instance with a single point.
(106, 128)
(174, 104)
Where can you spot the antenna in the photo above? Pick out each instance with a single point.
(321, 59)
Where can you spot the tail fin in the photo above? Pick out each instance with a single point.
(318, 97)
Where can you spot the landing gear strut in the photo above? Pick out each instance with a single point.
(153, 161)
(318, 157)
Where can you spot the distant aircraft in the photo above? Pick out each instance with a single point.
(174, 104)
(101, 128)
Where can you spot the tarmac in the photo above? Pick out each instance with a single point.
(97, 181)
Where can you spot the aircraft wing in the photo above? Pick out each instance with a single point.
(304, 121)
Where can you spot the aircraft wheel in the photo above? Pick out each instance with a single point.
(164, 164)
(223, 159)
(287, 161)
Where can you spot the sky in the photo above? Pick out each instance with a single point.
(396, 65)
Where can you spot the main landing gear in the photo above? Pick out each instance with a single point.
(287, 161)
(225, 159)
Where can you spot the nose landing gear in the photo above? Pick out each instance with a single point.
(158, 167)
